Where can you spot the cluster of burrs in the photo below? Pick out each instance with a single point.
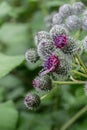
(73, 17)
(55, 50)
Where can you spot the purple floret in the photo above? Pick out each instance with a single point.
(60, 41)
(51, 64)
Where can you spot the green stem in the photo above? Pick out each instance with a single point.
(79, 73)
(81, 62)
(64, 83)
(68, 82)
(80, 67)
(78, 34)
(49, 93)
(73, 79)
(74, 65)
(74, 118)
(43, 96)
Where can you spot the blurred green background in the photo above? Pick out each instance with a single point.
(19, 21)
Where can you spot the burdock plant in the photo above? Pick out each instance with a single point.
(59, 51)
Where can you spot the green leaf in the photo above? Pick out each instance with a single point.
(14, 33)
(8, 63)
(82, 35)
(2, 93)
(16, 38)
(8, 116)
(10, 81)
(15, 93)
(37, 22)
(8, 104)
(29, 121)
(80, 126)
(5, 9)
(33, 66)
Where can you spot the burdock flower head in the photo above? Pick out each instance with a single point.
(84, 23)
(42, 83)
(85, 13)
(40, 36)
(50, 64)
(65, 10)
(63, 71)
(70, 47)
(59, 35)
(31, 55)
(45, 48)
(78, 8)
(57, 19)
(73, 22)
(32, 101)
(62, 40)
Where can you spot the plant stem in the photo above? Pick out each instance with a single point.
(81, 62)
(78, 34)
(49, 93)
(44, 96)
(68, 82)
(64, 83)
(74, 118)
(80, 67)
(73, 79)
(79, 73)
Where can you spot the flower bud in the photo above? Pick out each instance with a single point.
(63, 71)
(31, 55)
(60, 41)
(40, 36)
(57, 19)
(57, 30)
(70, 47)
(32, 101)
(65, 10)
(50, 64)
(59, 35)
(73, 23)
(84, 23)
(85, 13)
(78, 8)
(42, 83)
(45, 48)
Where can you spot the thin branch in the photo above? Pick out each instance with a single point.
(68, 82)
(74, 118)
(81, 62)
(79, 73)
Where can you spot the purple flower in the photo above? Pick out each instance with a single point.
(32, 101)
(35, 83)
(60, 40)
(42, 83)
(51, 64)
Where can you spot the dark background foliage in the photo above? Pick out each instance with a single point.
(19, 21)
